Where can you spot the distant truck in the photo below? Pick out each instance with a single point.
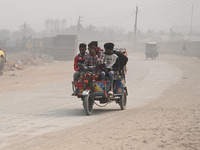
(64, 47)
(36, 45)
(47, 45)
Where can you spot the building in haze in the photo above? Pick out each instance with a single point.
(63, 24)
(55, 24)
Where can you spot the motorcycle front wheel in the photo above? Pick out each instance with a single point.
(88, 104)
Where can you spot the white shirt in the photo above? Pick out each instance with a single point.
(110, 60)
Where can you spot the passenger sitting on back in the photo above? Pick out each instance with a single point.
(123, 59)
(112, 63)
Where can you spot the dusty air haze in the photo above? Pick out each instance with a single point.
(154, 14)
(37, 111)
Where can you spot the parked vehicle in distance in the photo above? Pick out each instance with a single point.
(151, 50)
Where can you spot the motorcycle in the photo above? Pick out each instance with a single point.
(91, 89)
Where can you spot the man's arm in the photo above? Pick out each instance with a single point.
(116, 66)
(86, 60)
(123, 58)
(99, 58)
(75, 64)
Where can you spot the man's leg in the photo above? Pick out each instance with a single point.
(76, 75)
(111, 75)
(82, 75)
(103, 76)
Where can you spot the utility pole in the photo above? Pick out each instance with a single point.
(78, 25)
(191, 22)
(135, 28)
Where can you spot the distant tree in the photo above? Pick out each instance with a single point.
(72, 30)
(150, 33)
(25, 30)
(4, 33)
(90, 30)
(16, 35)
(162, 32)
(140, 35)
(172, 35)
(129, 36)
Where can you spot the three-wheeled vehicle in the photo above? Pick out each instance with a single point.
(91, 89)
(151, 50)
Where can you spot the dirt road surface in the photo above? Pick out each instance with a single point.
(163, 109)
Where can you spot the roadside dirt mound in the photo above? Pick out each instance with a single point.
(18, 61)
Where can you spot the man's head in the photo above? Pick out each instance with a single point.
(109, 48)
(95, 43)
(92, 46)
(105, 46)
(82, 48)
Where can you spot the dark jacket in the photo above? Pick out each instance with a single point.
(122, 59)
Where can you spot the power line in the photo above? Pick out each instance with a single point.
(109, 15)
(167, 9)
(112, 20)
(124, 19)
(164, 5)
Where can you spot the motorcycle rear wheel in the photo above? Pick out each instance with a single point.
(123, 101)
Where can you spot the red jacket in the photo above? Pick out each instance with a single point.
(78, 59)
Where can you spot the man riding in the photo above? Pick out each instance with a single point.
(79, 59)
(123, 59)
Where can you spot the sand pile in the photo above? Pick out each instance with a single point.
(18, 61)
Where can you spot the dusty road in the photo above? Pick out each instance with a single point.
(163, 110)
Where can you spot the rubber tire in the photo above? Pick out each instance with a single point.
(1, 66)
(123, 101)
(88, 104)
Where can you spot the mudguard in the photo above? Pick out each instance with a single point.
(85, 92)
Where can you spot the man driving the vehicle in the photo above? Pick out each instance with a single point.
(94, 57)
(78, 60)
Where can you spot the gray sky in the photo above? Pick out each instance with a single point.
(153, 14)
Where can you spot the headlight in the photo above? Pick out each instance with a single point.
(88, 76)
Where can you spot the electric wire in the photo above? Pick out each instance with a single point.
(178, 8)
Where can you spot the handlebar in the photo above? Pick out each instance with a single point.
(92, 68)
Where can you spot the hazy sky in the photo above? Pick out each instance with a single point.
(153, 14)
